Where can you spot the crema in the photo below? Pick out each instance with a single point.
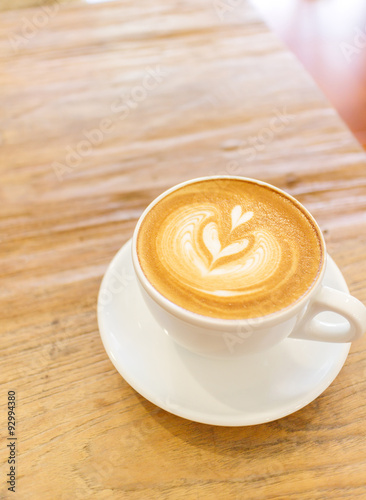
(229, 248)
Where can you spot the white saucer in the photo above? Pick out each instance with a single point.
(233, 392)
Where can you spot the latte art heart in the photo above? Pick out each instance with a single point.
(198, 252)
(212, 240)
(229, 249)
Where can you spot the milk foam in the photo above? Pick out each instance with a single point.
(242, 265)
(229, 249)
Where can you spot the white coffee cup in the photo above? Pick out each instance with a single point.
(235, 337)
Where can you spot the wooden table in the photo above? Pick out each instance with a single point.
(171, 91)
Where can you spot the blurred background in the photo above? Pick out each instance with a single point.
(327, 36)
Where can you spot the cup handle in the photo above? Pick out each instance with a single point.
(330, 300)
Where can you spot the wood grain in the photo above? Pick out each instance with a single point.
(42, 5)
(209, 108)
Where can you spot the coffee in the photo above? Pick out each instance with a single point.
(229, 248)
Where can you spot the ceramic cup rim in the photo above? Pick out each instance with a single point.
(221, 323)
